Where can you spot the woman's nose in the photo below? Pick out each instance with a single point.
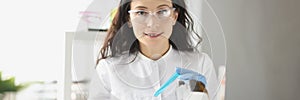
(152, 21)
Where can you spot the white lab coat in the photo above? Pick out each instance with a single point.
(138, 80)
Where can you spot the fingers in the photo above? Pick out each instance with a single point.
(184, 71)
(185, 75)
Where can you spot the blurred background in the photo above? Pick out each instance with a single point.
(262, 46)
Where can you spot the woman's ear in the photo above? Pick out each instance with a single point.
(175, 17)
(129, 24)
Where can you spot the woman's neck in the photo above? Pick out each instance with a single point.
(154, 52)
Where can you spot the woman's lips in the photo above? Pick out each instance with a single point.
(152, 34)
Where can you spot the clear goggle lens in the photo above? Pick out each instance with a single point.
(140, 16)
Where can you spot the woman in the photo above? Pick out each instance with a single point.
(148, 41)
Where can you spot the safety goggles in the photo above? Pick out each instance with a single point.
(140, 16)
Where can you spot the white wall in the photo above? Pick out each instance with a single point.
(263, 48)
(32, 36)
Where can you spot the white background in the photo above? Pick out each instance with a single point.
(32, 37)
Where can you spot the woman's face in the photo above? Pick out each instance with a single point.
(152, 20)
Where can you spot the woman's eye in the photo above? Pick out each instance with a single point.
(162, 12)
(143, 13)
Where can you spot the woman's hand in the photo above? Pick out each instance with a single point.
(196, 80)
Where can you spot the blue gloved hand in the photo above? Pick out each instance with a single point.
(182, 74)
(186, 75)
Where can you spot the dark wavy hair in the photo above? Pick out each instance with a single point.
(126, 42)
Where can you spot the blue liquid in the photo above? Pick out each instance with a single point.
(164, 86)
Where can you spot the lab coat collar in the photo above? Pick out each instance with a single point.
(166, 55)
